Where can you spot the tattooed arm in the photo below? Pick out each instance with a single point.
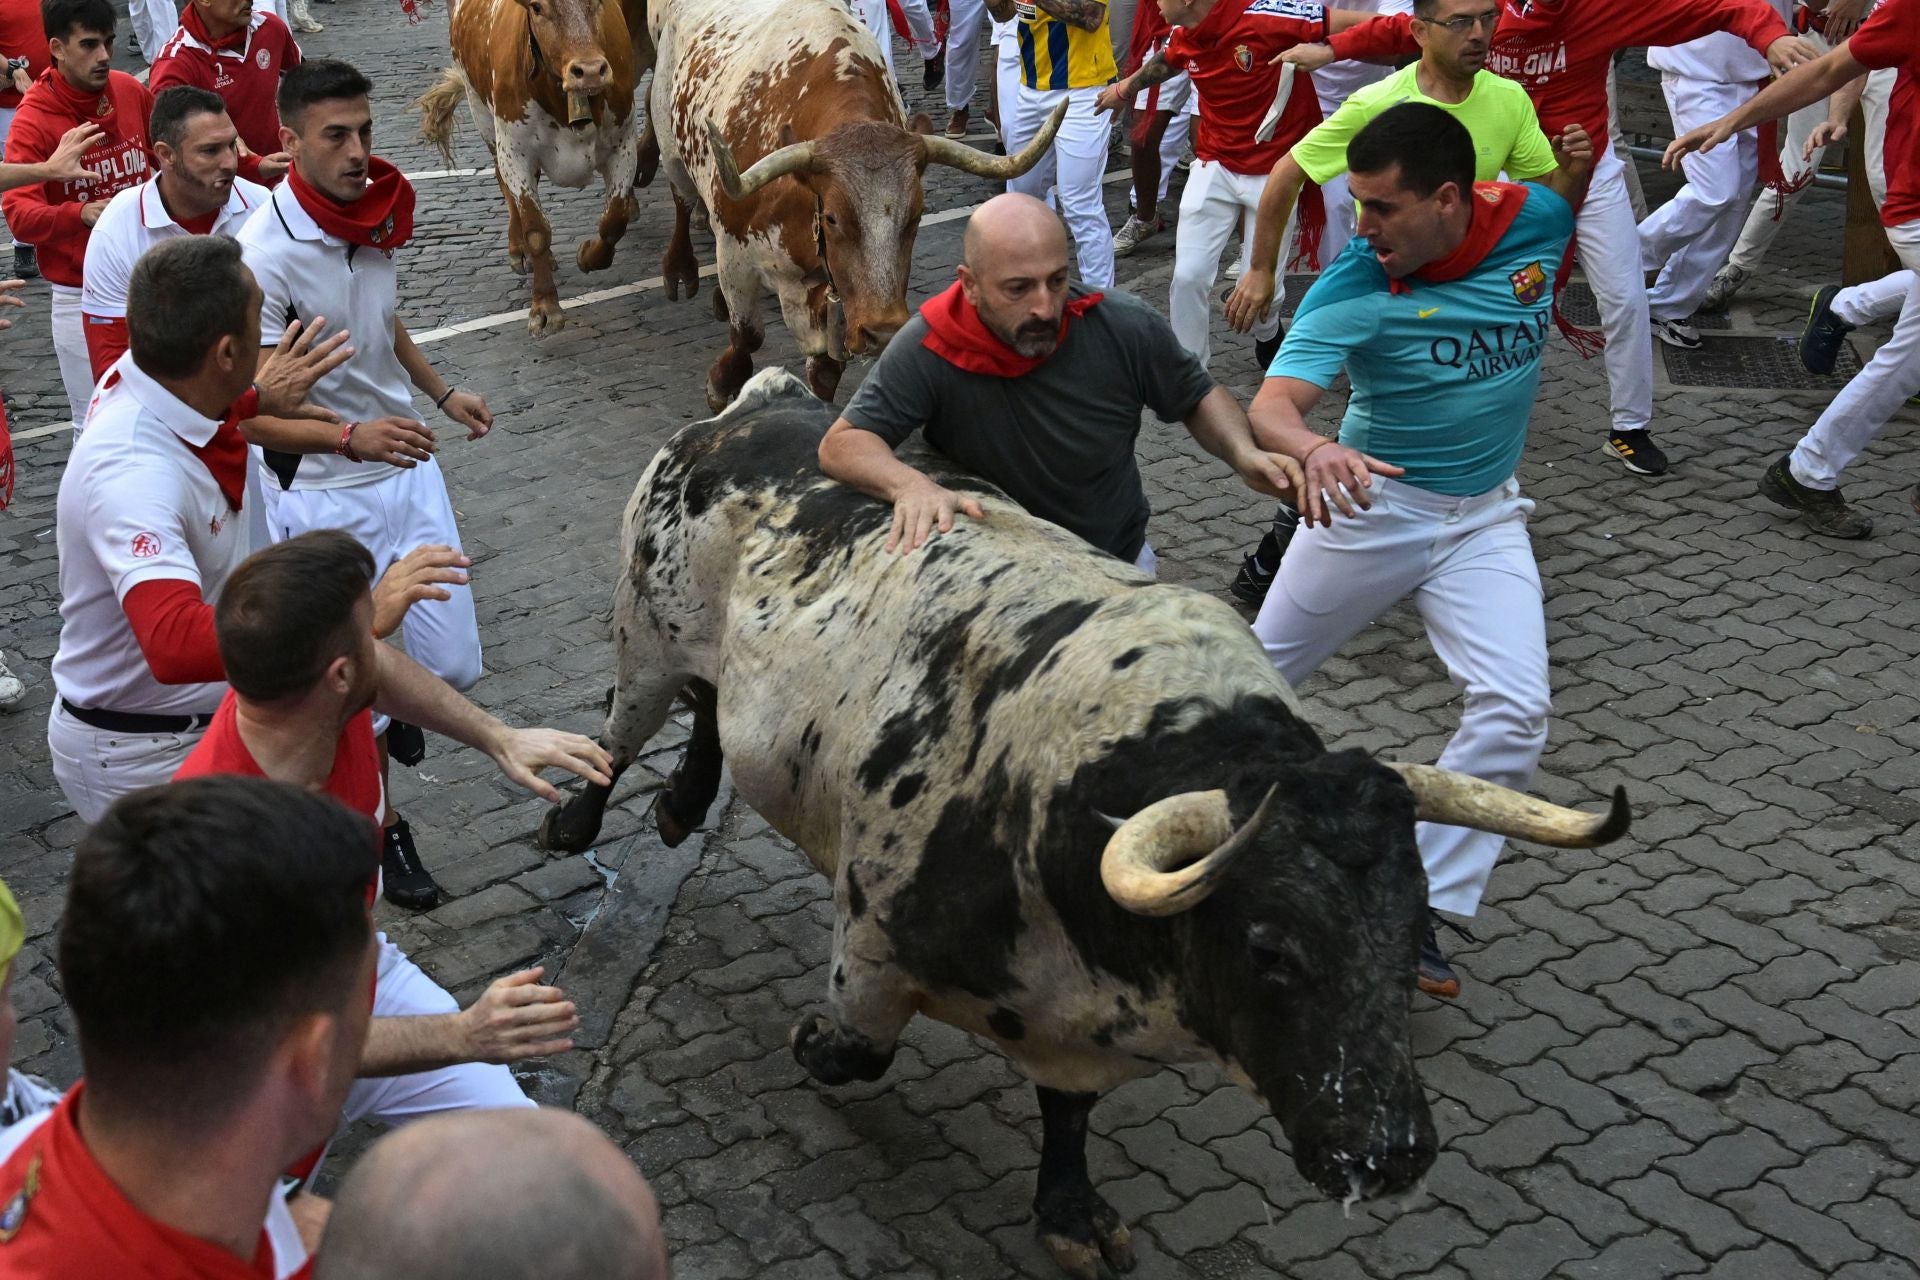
(1155, 70)
(1085, 14)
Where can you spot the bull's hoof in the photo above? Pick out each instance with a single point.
(595, 255)
(568, 828)
(545, 316)
(719, 395)
(680, 279)
(673, 829)
(518, 260)
(1088, 1241)
(823, 376)
(649, 162)
(835, 1057)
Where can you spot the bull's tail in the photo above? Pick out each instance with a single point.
(437, 107)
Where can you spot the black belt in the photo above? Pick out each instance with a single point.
(136, 721)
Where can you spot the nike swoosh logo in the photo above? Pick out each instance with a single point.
(1429, 311)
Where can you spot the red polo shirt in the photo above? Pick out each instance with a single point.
(1227, 54)
(1891, 38)
(243, 68)
(62, 1217)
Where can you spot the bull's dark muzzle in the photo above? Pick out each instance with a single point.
(1385, 1160)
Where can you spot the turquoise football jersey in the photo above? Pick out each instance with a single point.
(1443, 375)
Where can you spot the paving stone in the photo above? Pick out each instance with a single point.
(1531, 1249)
(1597, 1216)
(1705, 1226)
(1768, 1260)
(1518, 1141)
(1729, 1161)
(1834, 1175)
(1821, 1237)
(1656, 1253)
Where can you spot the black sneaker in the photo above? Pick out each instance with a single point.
(1250, 585)
(405, 879)
(1435, 976)
(1638, 451)
(1265, 349)
(936, 72)
(25, 264)
(406, 743)
(1825, 510)
(1820, 340)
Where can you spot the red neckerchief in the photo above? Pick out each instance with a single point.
(1493, 207)
(225, 455)
(190, 19)
(957, 335)
(381, 219)
(88, 107)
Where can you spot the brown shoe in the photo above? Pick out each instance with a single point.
(957, 124)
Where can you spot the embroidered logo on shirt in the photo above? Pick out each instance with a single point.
(215, 525)
(1243, 57)
(1423, 314)
(14, 1216)
(261, 59)
(145, 546)
(1529, 283)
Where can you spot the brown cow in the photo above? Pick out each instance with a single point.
(551, 85)
(795, 93)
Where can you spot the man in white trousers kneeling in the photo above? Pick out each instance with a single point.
(1438, 314)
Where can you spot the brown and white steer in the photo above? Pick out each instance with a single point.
(552, 86)
(779, 116)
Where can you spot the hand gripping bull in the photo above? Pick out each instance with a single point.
(1063, 806)
(780, 119)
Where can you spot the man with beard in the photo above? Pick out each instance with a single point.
(323, 245)
(1035, 385)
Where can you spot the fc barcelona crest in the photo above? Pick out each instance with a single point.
(1529, 283)
(1243, 57)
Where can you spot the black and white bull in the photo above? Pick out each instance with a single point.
(944, 734)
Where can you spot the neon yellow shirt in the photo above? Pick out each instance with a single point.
(1498, 113)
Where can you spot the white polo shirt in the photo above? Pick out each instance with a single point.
(136, 504)
(133, 222)
(304, 272)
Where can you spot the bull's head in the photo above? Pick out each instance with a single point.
(864, 180)
(1305, 922)
(571, 39)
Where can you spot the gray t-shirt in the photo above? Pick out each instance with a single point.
(1058, 440)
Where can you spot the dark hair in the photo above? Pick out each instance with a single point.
(185, 294)
(287, 612)
(1423, 9)
(172, 108)
(318, 80)
(202, 919)
(1428, 144)
(62, 17)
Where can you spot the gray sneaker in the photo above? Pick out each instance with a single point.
(1135, 230)
(1825, 510)
(11, 690)
(1728, 282)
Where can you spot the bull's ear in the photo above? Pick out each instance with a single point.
(922, 123)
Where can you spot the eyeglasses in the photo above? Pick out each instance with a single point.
(1467, 22)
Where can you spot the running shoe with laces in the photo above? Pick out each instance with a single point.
(405, 880)
(1728, 282)
(1133, 232)
(1677, 333)
(957, 123)
(11, 690)
(1433, 973)
(1638, 451)
(1825, 510)
(1820, 340)
(1257, 570)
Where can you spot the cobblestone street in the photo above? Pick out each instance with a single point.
(1695, 1052)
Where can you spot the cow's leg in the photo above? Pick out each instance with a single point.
(543, 312)
(683, 806)
(516, 234)
(1080, 1229)
(746, 330)
(647, 156)
(823, 376)
(679, 269)
(617, 172)
(869, 999)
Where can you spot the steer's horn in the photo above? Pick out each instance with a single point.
(1461, 800)
(972, 160)
(1137, 864)
(795, 157)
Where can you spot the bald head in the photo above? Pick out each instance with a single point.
(1012, 226)
(1016, 271)
(512, 1195)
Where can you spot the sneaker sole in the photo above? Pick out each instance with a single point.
(1676, 343)
(1629, 463)
(1449, 990)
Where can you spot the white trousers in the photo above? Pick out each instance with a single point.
(154, 22)
(1688, 238)
(1769, 211)
(1073, 167)
(1342, 221)
(1216, 201)
(95, 767)
(1468, 565)
(1892, 377)
(403, 990)
(919, 24)
(402, 510)
(1006, 78)
(1610, 255)
(965, 20)
(1617, 141)
(70, 348)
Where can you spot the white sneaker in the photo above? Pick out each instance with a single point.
(11, 690)
(1677, 333)
(1239, 267)
(1129, 236)
(1728, 282)
(300, 20)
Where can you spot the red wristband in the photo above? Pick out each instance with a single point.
(345, 447)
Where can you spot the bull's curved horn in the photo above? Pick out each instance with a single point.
(1461, 800)
(1134, 867)
(939, 150)
(795, 157)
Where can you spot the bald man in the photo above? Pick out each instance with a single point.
(510, 1195)
(1036, 385)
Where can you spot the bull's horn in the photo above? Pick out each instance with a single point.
(972, 160)
(1135, 865)
(795, 157)
(1461, 800)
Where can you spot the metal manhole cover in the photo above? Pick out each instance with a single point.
(1297, 286)
(1576, 301)
(1755, 363)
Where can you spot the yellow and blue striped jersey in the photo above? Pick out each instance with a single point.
(1058, 55)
